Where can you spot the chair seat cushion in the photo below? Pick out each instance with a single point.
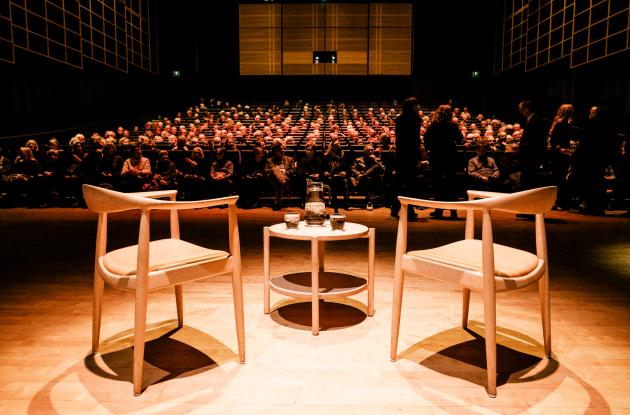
(466, 254)
(163, 254)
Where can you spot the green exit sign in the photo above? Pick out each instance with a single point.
(475, 74)
(177, 74)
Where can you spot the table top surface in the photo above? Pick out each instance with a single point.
(350, 230)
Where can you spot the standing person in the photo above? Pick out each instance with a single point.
(560, 135)
(533, 147)
(441, 141)
(408, 125)
(591, 159)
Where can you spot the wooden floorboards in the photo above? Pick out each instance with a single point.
(45, 315)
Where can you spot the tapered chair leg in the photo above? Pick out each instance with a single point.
(489, 307)
(396, 308)
(97, 308)
(237, 290)
(138, 340)
(465, 307)
(179, 300)
(545, 308)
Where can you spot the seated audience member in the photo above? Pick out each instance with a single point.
(167, 175)
(194, 182)
(108, 167)
(136, 171)
(27, 169)
(5, 171)
(483, 170)
(309, 168)
(221, 174)
(75, 174)
(252, 179)
(336, 174)
(53, 144)
(281, 172)
(32, 144)
(367, 175)
(51, 180)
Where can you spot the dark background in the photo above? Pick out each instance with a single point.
(200, 39)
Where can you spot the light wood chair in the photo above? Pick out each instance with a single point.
(480, 265)
(153, 265)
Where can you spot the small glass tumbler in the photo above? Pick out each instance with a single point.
(337, 221)
(292, 220)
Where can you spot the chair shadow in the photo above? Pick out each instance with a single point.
(471, 355)
(521, 362)
(332, 315)
(191, 353)
(174, 357)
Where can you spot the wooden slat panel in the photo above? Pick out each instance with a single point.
(347, 15)
(259, 15)
(390, 15)
(303, 15)
(390, 51)
(259, 51)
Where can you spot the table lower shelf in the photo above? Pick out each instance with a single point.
(332, 284)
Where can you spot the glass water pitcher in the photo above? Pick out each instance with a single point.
(315, 207)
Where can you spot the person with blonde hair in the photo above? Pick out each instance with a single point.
(26, 168)
(561, 143)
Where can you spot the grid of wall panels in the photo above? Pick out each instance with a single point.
(513, 35)
(600, 29)
(115, 33)
(368, 38)
(538, 32)
(549, 32)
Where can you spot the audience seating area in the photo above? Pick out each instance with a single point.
(239, 129)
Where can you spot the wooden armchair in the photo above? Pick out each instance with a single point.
(153, 265)
(480, 265)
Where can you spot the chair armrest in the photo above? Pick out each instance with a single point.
(436, 204)
(481, 194)
(156, 194)
(193, 204)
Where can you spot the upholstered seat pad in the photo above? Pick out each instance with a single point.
(163, 254)
(466, 254)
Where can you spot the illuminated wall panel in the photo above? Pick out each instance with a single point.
(368, 38)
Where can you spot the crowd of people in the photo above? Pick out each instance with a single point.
(215, 149)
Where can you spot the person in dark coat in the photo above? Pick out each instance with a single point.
(309, 168)
(591, 159)
(533, 147)
(441, 141)
(253, 179)
(408, 125)
(561, 135)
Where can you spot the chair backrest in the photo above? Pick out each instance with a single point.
(102, 200)
(532, 201)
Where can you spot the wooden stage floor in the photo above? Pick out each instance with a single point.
(45, 302)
